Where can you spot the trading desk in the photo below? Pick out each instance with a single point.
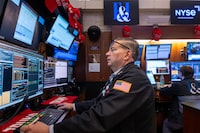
(191, 117)
(25, 115)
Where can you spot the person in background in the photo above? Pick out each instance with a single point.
(188, 86)
(125, 104)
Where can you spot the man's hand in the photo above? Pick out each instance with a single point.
(38, 127)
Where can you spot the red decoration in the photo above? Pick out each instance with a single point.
(51, 5)
(156, 33)
(81, 38)
(126, 31)
(197, 30)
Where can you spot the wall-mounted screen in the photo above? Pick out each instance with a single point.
(193, 51)
(22, 25)
(161, 51)
(175, 69)
(185, 11)
(158, 67)
(59, 34)
(121, 12)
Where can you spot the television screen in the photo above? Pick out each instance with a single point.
(161, 51)
(59, 34)
(175, 69)
(21, 25)
(61, 70)
(185, 11)
(193, 51)
(158, 67)
(71, 55)
(121, 12)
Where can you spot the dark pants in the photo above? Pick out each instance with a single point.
(169, 127)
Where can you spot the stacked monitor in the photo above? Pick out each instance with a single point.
(193, 51)
(21, 74)
(138, 61)
(158, 67)
(70, 55)
(157, 58)
(59, 34)
(175, 69)
(154, 52)
(21, 24)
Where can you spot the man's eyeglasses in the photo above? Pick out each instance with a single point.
(114, 41)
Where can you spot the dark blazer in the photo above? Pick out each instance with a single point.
(117, 111)
(177, 90)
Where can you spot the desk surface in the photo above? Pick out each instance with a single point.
(191, 101)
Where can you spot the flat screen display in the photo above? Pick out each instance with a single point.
(140, 52)
(22, 25)
(121, 12)
(25, 26)
(193, 51)
(21, 75)
(59, 34)
(71, 55)
(175, 69)
(158, 67)
(185, 11)
(161, 51)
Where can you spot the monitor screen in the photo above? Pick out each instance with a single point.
(71, 55)
(140, 52)
(193, 51)
(138, 63)
(61, 70)
(158, 67)
(121, 12)
(161, 51)
(175, 69)
(21, 75)
(184, 11)
(21, 25)
(59, 34)
(151, 77)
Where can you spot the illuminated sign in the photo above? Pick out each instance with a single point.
(185, 12)
(121, 12)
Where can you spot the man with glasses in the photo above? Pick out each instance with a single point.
(125, 104)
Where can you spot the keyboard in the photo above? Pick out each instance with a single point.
(50, 116)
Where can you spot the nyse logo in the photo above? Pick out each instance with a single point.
(121, 12)
(187, 13)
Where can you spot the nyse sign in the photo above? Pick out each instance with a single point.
(187, 13)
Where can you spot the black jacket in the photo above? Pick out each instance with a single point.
(117, 111)
(177, 90)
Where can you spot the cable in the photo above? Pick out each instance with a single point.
(16, 112)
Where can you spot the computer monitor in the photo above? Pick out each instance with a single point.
(158, 67)
(161, 51)
(175, 69)
(193, 51)
(21, 75)
(138, 63)
(61, 69)
(21, 24)
(59, 35)
(151, 77)
(70, 55)
(141, 47)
